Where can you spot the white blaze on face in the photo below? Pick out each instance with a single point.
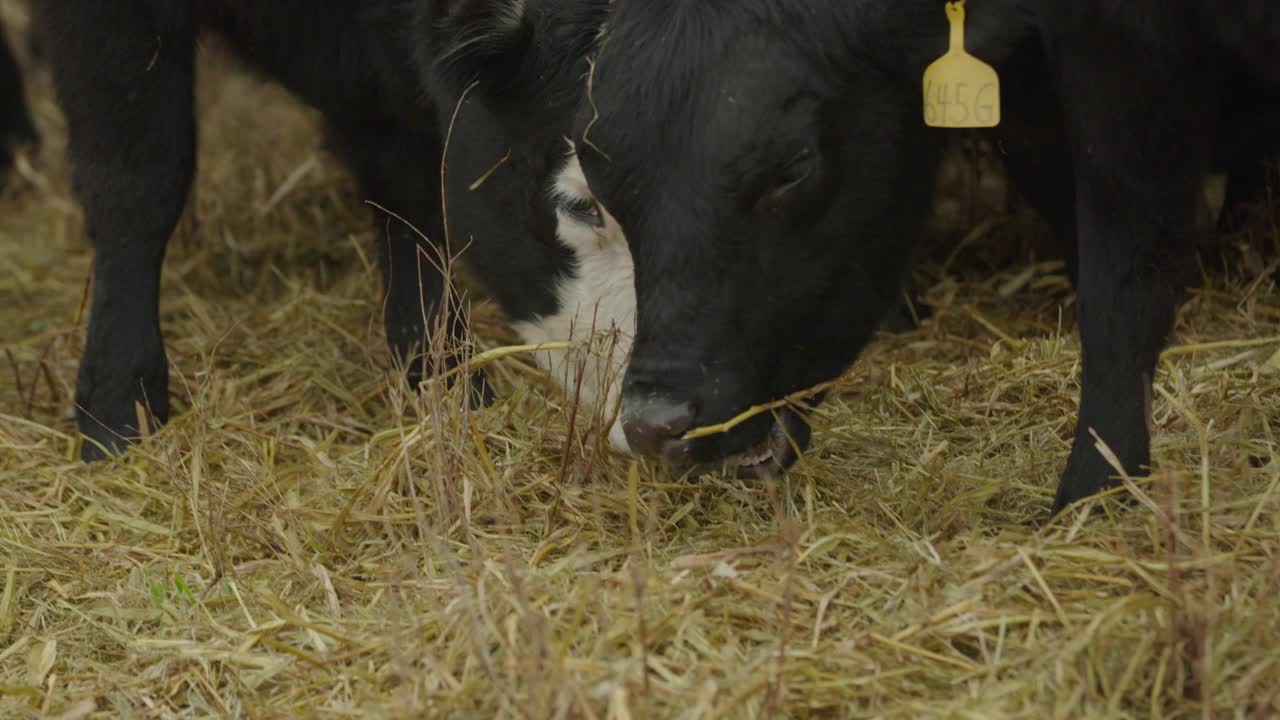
(597, 302)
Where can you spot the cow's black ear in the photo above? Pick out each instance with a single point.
(481, 41)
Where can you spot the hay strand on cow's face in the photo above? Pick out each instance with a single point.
(308, 536)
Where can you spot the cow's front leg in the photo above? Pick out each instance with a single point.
(1140, 126)
(125, 82)
(425, 322)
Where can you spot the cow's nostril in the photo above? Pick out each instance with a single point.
(651, 423)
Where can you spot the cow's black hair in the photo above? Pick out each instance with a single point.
(769, 161)
(124, 73)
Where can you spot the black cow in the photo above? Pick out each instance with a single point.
(387, 76)
(769, 162)
(16, 127)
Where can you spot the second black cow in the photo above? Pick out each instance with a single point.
(390, 78)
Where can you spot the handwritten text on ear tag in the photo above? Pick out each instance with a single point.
(960, 91)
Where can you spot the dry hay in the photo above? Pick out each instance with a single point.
(305, 539)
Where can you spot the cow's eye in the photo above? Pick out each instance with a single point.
(791, 176)
(583, 210)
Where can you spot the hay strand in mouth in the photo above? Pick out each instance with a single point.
(793, 400)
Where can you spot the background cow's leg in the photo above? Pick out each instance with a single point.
(1247, 179)
(1037, 154)
(124, 75)
(400, 172)
(1140, 145)
(910, 310)
(16, 127)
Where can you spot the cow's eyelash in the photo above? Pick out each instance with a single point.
(579, 205)
(584, 210)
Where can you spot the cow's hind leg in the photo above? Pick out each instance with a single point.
(1140, 126)
(16, 127)
(124, 76)
(425, 322)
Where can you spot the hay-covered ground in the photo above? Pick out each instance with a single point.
(304, 539)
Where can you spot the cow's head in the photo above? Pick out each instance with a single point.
(769, 163)
(507, 76)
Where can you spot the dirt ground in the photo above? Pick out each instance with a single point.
(306, 539)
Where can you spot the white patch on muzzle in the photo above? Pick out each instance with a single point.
(597, 303)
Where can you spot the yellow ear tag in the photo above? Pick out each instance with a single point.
(960, 91)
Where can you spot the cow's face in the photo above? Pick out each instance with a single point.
(507, 76)
(595, 299)
(770, 197)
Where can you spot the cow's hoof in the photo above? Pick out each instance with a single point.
(16, 138)
(1087, 474)
(111, 419)
(481, 392)
(100, 443)
(6, 167)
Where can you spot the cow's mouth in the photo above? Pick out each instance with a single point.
(784, 439)
(763, 446)
(787, 438)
